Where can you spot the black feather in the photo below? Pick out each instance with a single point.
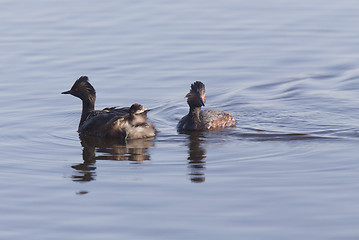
(197, 87)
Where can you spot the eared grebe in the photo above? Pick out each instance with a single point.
(125, 123)
(205, 119)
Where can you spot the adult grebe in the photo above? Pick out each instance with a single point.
(125, 123)
(205, 119)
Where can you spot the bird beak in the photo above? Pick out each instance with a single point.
(66, 92)
(202, 101)
(145, 110)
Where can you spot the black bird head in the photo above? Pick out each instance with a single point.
(137, 109)
(82, 89)
(197, 95)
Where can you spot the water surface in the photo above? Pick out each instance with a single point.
(288, 71)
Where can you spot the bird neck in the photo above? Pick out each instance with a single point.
(87, 107)
(194, 113)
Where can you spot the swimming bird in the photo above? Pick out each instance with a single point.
(125, 123)
(198, 119)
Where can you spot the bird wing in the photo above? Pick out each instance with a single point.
(215, 118)
(99, 120)
(111, 111)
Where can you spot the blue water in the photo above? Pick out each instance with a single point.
(288, 71)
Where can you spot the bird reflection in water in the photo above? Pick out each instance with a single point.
(95, 148)
(196, 157)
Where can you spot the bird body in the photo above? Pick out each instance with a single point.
(198, 119)
(125, 123)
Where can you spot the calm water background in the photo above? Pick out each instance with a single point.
(287, 70)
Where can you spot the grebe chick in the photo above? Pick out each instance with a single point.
(135, 123)
(198, 119)
(109, 122)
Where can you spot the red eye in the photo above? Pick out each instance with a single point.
(76, 90)
(194, 97)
